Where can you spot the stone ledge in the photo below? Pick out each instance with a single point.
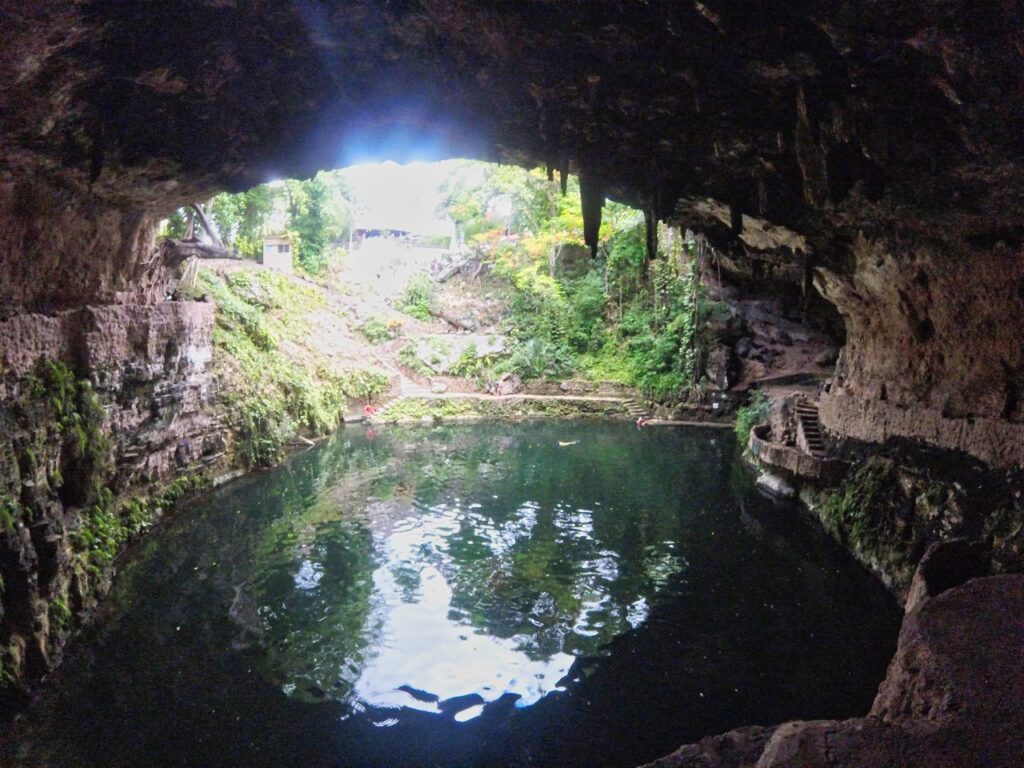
(995, 441)
(792, 460)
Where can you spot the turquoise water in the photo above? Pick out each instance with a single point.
(556, 593)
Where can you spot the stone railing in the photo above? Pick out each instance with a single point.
(792, 460)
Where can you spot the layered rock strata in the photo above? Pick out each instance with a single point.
(99, 406)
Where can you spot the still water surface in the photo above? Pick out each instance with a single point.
(556, 593)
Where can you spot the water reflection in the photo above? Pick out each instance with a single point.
(429, 583)
(471, 596)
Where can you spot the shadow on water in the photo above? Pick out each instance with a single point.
(474, 595)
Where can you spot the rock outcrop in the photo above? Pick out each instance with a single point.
(934, 348)
(877, 150)
(83, 446)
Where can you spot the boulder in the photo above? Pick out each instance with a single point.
(953, 695)
(509, 384)
(568, 260)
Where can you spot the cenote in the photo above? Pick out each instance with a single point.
(545, 593)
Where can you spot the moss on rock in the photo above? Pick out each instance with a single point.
(277, 383)
(869, 514)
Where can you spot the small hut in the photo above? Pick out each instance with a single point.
(277, 254)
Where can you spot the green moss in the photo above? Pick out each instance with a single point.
(9, 513)
(59, 615)
(867, 514)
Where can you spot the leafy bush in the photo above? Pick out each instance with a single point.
(587, 303)
(755, 412)
(626, 317)
(418, 297)
(376, 330)
(407, 356)
(537, 359)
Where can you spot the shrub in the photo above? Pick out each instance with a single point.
(418, 297)
(750, 415)
(537, 359)
(376, 330)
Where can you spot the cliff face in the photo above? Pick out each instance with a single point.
(934, 348)
(99, 406)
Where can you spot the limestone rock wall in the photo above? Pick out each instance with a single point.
(934, 348)
(101, 407)
(61, 250)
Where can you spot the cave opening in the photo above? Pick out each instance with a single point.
(814, 232)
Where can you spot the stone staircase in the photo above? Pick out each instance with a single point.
(409, 388)
(635, 409)
(809, 437)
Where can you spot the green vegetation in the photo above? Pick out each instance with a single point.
(9, 513)
(376, 331)
(619, 317)
(416, 408)
(750, 415)
(407, 356)
(241, 219)
(537, 359)
(59, 614)
(472, 365)
(418, 297)
(78, 417)
(316, 219)
(79, 471)
(315, 214)
(140, 512)
(271, 394)
(867, 514)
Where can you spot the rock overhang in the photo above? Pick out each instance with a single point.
(780, 109)
(847, 123)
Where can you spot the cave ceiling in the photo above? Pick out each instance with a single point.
(783, 109)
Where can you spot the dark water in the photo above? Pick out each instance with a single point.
(473, 595)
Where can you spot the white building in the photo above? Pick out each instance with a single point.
(277, 254)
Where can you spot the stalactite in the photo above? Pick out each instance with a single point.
(551, 172)
(651, 223)
(735, 217)
(592, 201)
(563, 175)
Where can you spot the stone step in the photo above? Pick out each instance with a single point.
(810, 426)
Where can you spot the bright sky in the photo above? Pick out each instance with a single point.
(393, 196)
